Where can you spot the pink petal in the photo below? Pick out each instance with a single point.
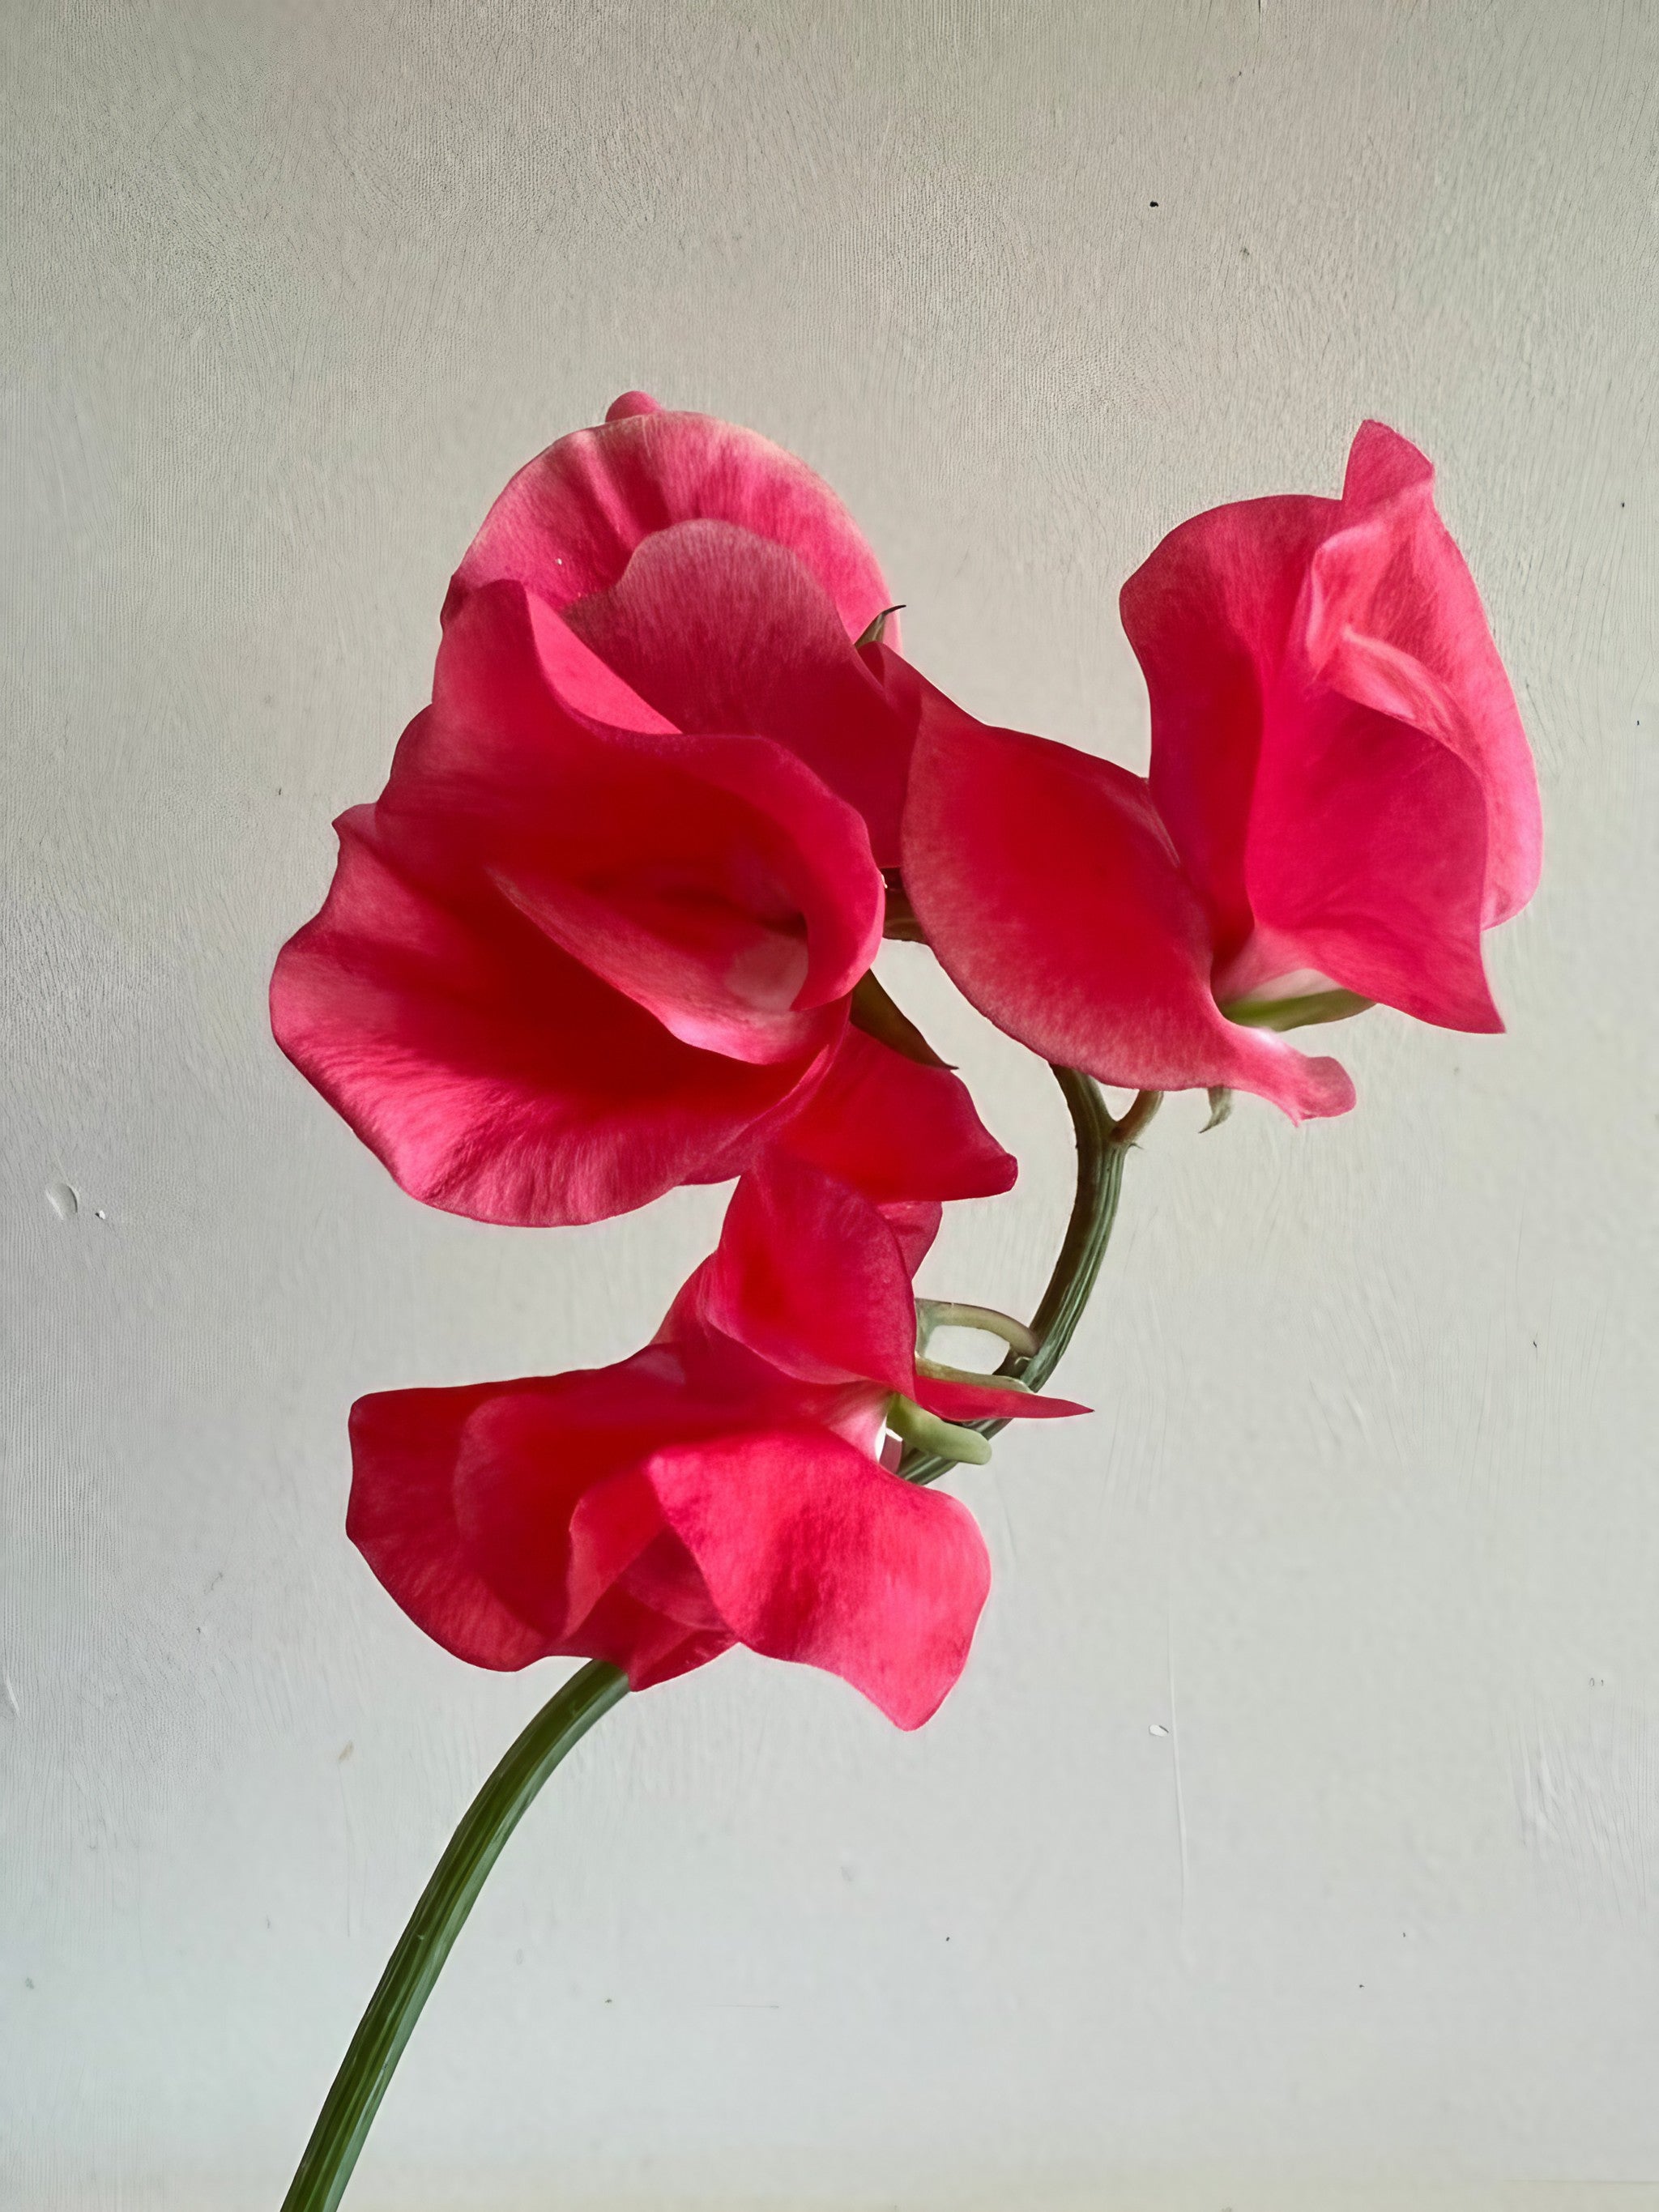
(810, 1275)
(550, 1503)
(1209, 613)
(402, 1518)
(1048, 888)
(493, 1075)
(566, 524)
(414, 1514)
(1392, 577)
(984, 1401)
(720, 630)
(895, 1130)
(812, 1553)
(1335, 746)
(1367, 858)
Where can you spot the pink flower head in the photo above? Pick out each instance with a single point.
(723, 1485)
(1340, 800)
(580, 950)
(1335, 746)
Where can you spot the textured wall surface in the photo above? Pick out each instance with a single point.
(1293, 1839)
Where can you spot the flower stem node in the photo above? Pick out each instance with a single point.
(929, 1433)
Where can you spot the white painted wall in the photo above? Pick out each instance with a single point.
(1368, 1521)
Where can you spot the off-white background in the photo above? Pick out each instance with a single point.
(1368, 1520)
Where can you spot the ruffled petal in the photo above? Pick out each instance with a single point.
(809, 1275)
(436, 1473)
(812, 1553)
(712, 877)
(1368, 856)
(1335, 746)
(814, 1279)
(1209, 613)
(496, 1076)
(1050, 891)
(723, 630)
(402, 1518)
(568, 523)
(550, 1503)
(895, 1130)
(1397, 624)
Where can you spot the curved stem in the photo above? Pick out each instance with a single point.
(1102, 1144)
(437, 1921)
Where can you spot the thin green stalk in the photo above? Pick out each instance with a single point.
(1102, 1146)
(437, 1921)
(367, 2069)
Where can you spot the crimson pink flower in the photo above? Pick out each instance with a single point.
(578, 952)
(722, 1486)
(1340, 800)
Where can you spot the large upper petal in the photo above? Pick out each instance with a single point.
(563, 968)
(1393, 576)
(568, 523)
(1049, 890)
(811, 1551)
(1367, 858)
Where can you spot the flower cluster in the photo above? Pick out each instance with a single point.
(609, 929)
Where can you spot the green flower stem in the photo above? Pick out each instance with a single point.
(1102, 1146)
(437, 1920)
(344, 2121)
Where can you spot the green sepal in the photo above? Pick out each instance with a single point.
(1332, 1005)
(941, 1439)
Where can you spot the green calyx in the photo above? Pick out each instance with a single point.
(872, 634)
(1332, 1005)
(940, 1440)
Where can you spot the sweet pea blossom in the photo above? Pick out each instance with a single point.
(1340, 801)
(724, 1486)
(582, 949)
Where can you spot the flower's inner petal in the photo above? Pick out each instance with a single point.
(1208, 613)
(902, 1134)
(810, 1275)
(723, 630)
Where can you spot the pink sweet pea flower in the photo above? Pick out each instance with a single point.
(578, 952)
(724, 1486)
(1340, 800)
(1335, 746)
